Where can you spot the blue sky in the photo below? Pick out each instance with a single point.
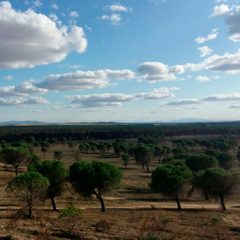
(125, 60)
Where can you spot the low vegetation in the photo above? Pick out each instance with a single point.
(193, 169)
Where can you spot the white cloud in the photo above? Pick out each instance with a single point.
(22, 101)
(37, 3)
(81, 80)
(29, 39)
(29, 88)
(8, 78)
(24, 89)
(114, 18)
(211, 36)
(9, 91)
(203, 79)
(228, 63)
(221, 10)
(158, 93)
(235, 96)
(119, 8)
(74, 14)
(205, 51)
(102, 100)
(222, 97)
(76, 66)
(231, 16)
(54, 6)
(120, 74)
(232, 20)
(157, 71)
(116, 99)
(183, 102)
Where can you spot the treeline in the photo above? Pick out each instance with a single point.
(117, 131)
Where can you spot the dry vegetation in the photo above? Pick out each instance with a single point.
(133, 212)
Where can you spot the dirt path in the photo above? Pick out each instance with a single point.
(198, 206)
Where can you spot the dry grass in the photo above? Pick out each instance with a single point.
(132, 212)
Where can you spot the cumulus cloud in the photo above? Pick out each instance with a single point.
(157, 71)
(81, 80)
(119, 8)
(158, 93)
(116, 99)
(37, 3)
(102, 100)
(8, 78)
(54, 6)
(23, 89)
(232, 20)
(22, 101)
(120, 74)
(114, 18)
(29, 88)
(235, 96)
(228, 63)
(221, 10)
(29, 39)
(9, 91)
(222, 97)
(202, 79)
(205, 51)
(182, 102)
(74, 14)
(231, 16)
(211, 36)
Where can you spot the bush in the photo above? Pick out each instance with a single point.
(68, 219)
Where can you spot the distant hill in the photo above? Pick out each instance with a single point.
(22, 123)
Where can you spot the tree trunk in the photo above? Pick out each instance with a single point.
(178, 203)
(206, 196)
(99, 197)
(222, 203)
(53, 204)
(147, 166)
(102, 203)
(30, 208)
(16, 170)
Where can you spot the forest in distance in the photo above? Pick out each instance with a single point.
(74, 181)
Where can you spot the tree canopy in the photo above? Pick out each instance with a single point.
(29, 187)
(216, 182)
(198, 162)
(94, 178)
(169, 179)
(56, 173)
(16, 156)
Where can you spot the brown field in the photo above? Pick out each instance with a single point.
(133, 212)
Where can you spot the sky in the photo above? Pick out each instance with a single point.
(122, 61)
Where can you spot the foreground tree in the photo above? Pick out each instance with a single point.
(56, 174)
(216, 182)
(16, 156)
(29, 187)
(169, 180)
(94, 178)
